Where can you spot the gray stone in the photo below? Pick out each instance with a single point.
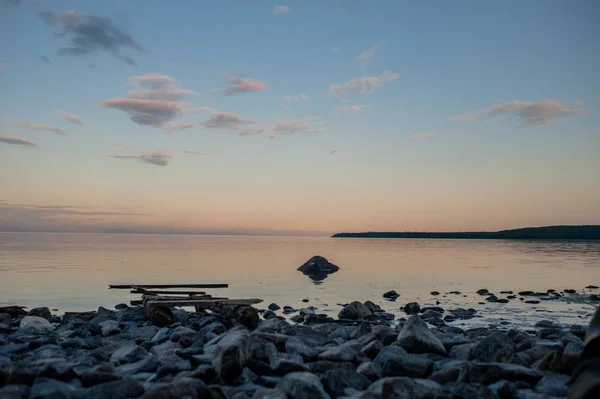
(38, 324)
(166, 354)
(369, 370)
(231, 354)
(547, 344)
(414, 366)
(5, 318)
(343, 353)
(385, 334)
(522, 340)
(295, 346)
(372, 349)
(142, 333)
(273, 307)
(129, 352)
(14, 392)
(470, 391)
(405, 388)
(122, 389)
(528, 394)
(337, 381)
(488, 373)
(282, 366)
(49, 388)
(109, 327)
(354, 311)
(553, 385)
(496, 347)
(415, 337)
(450, 339)
(504, 389)
(387, 353)
(41, 312)
(392, 295)
(189, 388)
(272, 325)
(302, 385)
(455, 371)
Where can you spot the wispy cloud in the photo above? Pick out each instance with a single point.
(334, 151)
(192, 152)
(41, 126)
(280, 10)
(291, 99)
(17, 141)
(72, 118)
(89, 34)
(155, 101)
(126, 146)
(365, 55)
(345, 100)
(226, 120)
(353, 108)
(174, 127)
(158, 158)
(421, 135)
(45, 59)
(242, 85)
(335, 49)
(364, 84)
(530, 113)
(292, 126)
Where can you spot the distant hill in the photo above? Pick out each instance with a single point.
(590, 232)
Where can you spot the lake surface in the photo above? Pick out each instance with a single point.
(71, 272)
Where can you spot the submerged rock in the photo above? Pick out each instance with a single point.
(318, 268)
(391, 295)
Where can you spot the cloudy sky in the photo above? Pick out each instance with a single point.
(258, 116)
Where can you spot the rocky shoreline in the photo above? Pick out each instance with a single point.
(363, 353)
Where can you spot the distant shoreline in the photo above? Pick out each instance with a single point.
(588, 232)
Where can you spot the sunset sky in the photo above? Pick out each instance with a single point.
(298, 116)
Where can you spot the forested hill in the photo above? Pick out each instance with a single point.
(590, 232)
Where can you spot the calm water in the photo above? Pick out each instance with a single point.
(72, 271)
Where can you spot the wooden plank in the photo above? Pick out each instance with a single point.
(144, 286)
(166, 292)
(203, 302)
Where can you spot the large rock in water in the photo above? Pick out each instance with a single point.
(39, 324)
(415, 337)
(318, 268)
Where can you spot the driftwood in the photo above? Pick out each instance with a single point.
(144, 286)
(204, 303)
(166, 292)
(13, 310)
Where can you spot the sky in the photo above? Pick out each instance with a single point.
(298, 116)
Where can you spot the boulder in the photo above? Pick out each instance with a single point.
(273, 307)
(415, 337)
(295, 346)
(337, 381)
(354, 311)
(496, 347)
(190, 388)
(41, 312)
(38, 324)
(129, 352)
(343, 353)
(231, 354)
(121, 389)
(166, 353)
(49, 388)
(318, 268)
(405, 387)
(370, 370)
(302, 385)
(488, 373)
(412, 308)
(109, 327)
(283, 366)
